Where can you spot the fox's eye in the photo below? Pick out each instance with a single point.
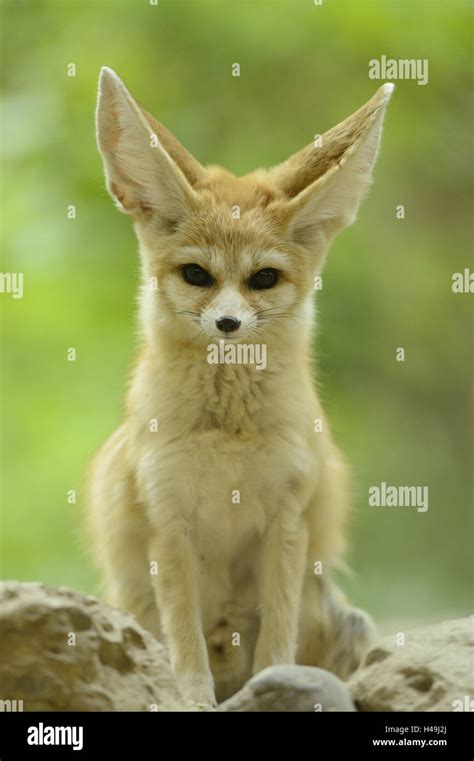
(196, 275)
(266, 278)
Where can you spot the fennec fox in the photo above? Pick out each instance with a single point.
(222, 492)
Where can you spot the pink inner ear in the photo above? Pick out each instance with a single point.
(121, 196)
(128, 202)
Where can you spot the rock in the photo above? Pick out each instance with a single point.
(114, 665)
(431, 671)
(291, 688)
(63, 651)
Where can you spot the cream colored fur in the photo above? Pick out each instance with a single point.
(235, 589)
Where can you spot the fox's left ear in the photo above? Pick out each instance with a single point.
(326, 181)
(146, 168)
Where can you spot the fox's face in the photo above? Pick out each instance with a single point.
(227, 257)
(235, 292)
(220, 277)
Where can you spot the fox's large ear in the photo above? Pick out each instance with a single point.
(146, 168)
(325, 182)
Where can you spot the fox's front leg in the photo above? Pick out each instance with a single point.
(177, 593)
(282, 569)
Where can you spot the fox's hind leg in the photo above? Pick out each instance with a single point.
(119, 534)
(332, 634)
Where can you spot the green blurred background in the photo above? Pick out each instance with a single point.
(387, 282)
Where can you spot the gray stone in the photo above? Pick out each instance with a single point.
(291, 688)
(432, 671)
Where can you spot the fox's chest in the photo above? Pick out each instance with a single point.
(238, 485)
(234, 486)
(226, 462)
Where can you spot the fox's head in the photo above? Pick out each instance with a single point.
(224, 256)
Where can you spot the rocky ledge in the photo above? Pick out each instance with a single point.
(64, 651)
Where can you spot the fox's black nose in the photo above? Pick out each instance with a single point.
(228, 324)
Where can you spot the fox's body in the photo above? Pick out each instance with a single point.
(218, 507)
(211, 443)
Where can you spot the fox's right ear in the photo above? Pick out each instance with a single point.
(146, 168)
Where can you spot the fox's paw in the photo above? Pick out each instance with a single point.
(200, 707)
(351, 638)
(198, 690)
